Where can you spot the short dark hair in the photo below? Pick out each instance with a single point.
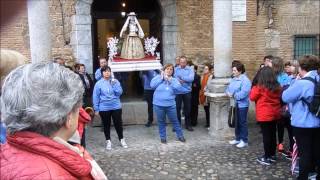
(288, 63)
(235, 62)
(268, 57)
(239, 66)
(105, 68)
(309, 63)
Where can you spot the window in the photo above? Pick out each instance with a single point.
(305, 45)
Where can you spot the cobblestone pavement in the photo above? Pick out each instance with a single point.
(199, 158)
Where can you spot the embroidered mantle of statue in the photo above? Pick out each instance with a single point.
(132, 47)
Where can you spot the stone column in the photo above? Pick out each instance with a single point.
(169, 30)
(219, 102)
(39, 30)
(81, 39)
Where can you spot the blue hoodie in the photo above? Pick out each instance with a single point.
(300, 115)
(187, 75)
(106, 95)
(97, 74)
(240, 88)
(147, 76)
(165, 91)
(283, 79)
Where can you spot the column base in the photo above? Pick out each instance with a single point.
(219, 110)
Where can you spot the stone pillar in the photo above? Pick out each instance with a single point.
(81, 39)
(39, 30)
(219, 102)
(169, 31)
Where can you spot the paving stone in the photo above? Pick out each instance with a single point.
(200, 158)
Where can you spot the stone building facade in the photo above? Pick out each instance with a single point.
(187, 27)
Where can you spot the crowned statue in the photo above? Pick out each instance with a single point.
(132, 47)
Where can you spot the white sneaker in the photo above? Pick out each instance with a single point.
(108, 147)
(242, 144)
(233, 142)
(123, 143)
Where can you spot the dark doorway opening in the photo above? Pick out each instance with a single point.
(107, 21)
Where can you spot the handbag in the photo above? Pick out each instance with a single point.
(232, 117)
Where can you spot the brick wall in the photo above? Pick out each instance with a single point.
(14, 32)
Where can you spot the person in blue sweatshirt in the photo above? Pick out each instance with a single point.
(239, 89)
(106, 103)
(185, 75)
(305, 125)
(146, 77)
(102, 62)
(164, 104)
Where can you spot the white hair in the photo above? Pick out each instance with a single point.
(38, 97)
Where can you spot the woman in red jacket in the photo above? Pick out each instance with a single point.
(266, 94)
(40, 107)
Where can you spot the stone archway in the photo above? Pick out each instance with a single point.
(81, 35)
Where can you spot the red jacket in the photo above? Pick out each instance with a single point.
(83, 119)
(267, 103)
(28, 155)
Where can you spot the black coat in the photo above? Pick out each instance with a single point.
(87, 90)
(196, 87)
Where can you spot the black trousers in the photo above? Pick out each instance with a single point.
(269, 138)
(148, 96)
(116, 116)
(308, 142)
(186, 99)
(207, 111)
(285, 123)
(83, 138)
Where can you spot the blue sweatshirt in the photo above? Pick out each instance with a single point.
(300, 115)
(240, 88)
(187, 75)
(165, 91)
(97, 74)
(283, 79)
(106, 95)
(147, 76)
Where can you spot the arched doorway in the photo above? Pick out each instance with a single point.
(108, 18)
(82, 42)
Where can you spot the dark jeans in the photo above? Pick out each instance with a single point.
(194, 114)
(308, 142)
(269, 138)
(117, 122)
(83, 138)
(241, 129)
(285, 123)
(148, 96)
(207, 111)
(186, 99)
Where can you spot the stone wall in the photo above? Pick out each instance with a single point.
(61, 36)
(14, 32)
(290, 18)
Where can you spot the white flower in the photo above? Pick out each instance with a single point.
(150, 45)
(112, 45)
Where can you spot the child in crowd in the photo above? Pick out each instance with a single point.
(266, 94)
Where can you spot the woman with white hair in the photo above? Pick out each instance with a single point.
(40, 106)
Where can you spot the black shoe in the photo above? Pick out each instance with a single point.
(182, 139)
(189, 128)
(206, 126)
(163, 141)
(148, 124)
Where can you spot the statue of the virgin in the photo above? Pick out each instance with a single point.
(132, 47)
